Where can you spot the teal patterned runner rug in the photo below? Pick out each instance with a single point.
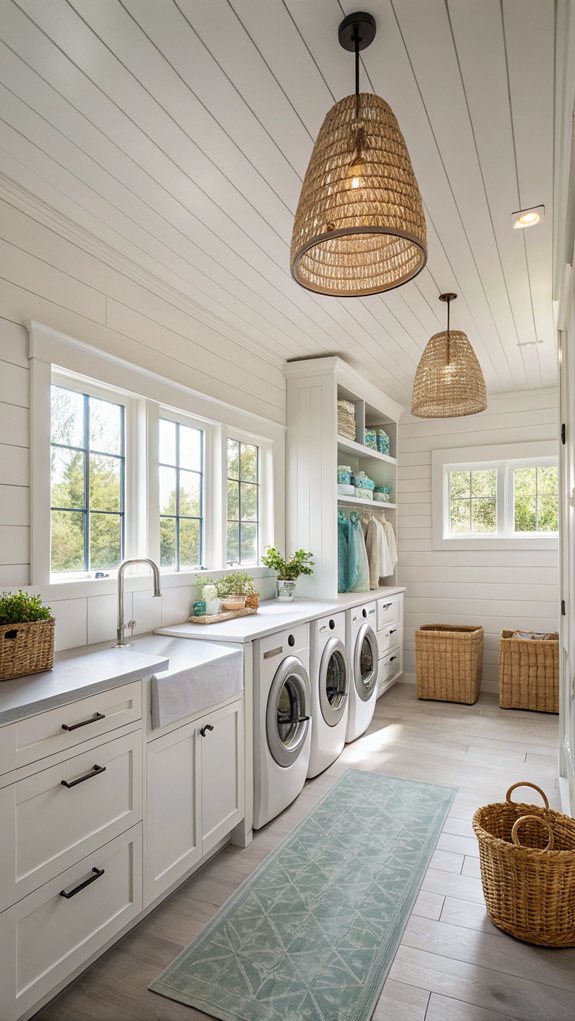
(311, 934)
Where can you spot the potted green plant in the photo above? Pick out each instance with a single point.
(288, 571)
(26, 635)
(234, 588)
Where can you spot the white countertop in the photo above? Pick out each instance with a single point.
(274, 616)
(77, 673)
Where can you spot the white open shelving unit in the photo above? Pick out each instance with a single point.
(314, 451)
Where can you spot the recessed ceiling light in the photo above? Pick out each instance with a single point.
(527, 217)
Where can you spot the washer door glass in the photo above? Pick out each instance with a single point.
(333, 681)
(288, 711)
(365, 662)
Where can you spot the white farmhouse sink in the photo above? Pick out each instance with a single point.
(200, 675)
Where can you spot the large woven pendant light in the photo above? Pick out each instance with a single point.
(359, 226)
(449, 382)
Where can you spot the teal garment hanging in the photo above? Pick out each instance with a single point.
(342, 553)
(358, 578)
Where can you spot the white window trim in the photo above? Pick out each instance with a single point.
(51, 351)
(512, 454)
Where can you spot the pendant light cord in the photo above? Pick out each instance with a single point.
(448, 335)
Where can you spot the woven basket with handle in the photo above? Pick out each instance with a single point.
(26, 648)
(527, 859)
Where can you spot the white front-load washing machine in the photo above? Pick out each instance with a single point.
(282, 720)
(330, 681)
(363, 656)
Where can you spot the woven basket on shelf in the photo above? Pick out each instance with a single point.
(529, 672)
(449, 661)
(527, 860)
(26, 648)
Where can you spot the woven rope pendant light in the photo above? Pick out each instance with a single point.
(449, 382)
(359, 226)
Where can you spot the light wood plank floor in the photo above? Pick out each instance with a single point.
(453, 964)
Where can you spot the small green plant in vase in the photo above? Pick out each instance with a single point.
(288, 571)
(26, 635)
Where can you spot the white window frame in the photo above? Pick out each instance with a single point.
(52, 352)
(208, 474)
(71, 381)
(504, 458)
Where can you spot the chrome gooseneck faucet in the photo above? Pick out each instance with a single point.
(122, 627)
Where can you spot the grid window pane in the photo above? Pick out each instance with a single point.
(67, 417)
(168, 490)
(189, 542)
(106, 427)
(67, 477)
(248, 463)
(249, 501)
(88, 476)
(243, 503)
(105, 483)
(233, 542)
(190, 494)
(181, 495)
(105, 540)
(473, 501)
(535, 499)
(67, 540)
(168, 542)
(233, 459)
(248, 548)
(191, 448)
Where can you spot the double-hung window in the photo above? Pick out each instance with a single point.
(181, 489)
(88, 468)
(500, 501)
(243, 501)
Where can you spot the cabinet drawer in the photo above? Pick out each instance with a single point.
(388, 669)
(54, 930)
(388, 637)
(52, 819)
(69, 725)
(387, 611)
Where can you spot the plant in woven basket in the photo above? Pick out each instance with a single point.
(22, 608)
(239, 583)
(26, 635)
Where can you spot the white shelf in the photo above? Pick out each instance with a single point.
(374, 504)
(359, 450)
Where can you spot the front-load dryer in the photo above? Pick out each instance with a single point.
(282, 720)
(330, 682)
(363, 656)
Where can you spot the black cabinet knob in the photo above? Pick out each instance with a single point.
(203, 730)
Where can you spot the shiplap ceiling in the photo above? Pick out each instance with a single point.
(178, 133)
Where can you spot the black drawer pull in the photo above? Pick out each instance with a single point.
(95, 771)
(203, 730)
(84, 723)
(96, 873)
(392, 630)
(391, 658)
(386, 606)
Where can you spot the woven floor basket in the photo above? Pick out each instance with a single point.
(26, 648)
(449, 661)
(529, 672)
(527, 858)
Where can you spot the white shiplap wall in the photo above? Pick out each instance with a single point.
(495, 588)
(46, 277)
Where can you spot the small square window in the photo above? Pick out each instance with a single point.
(536, 499)
(472, 501)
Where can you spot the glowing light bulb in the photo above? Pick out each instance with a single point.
(357, 173)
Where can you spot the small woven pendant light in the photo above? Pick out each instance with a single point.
(359, 226)
(449, 382)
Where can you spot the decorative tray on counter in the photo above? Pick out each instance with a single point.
(215, 618)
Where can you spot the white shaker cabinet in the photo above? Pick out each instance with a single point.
(195, 794)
